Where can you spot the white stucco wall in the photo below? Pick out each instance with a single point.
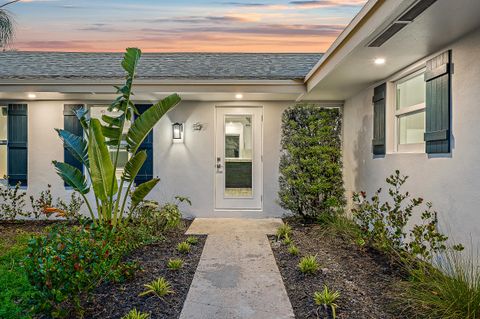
(451, 182)
(185, 169)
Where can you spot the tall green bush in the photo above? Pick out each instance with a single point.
(311, 183)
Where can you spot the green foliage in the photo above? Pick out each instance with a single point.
(12, 202)
(327, 298)
(159, 287)
(93, 153)
(184, 247)
(156, 217)
(287, 240)
(7, 25)
(134, 314)
(15, 287)
(192, 240)
(310, 180)
(69, 261)
(175, 264)
(44, 206)
(308, 265)
(293, 250)
(284, 231)
(448, 290)
(383, 224)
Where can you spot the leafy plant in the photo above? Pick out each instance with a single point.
(12, 202)
(92, 151)
(70, 261)
(311, 183)
(41, 204)
(308, 265)
(383, 224)
(293, 250)
(7, 26)
(156, 217)
(287, 240)
(134, 314)
(283, 231)
(70, 210)
(327, 298)
(175, 264)
(183, 247)
(159, 287)
(192, 240)
(449, 290)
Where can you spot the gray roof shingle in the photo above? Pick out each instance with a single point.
(157, 66)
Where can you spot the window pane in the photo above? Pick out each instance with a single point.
(238, 156)
(3, 161)
(411, 128)
(411, 92)
(3, 123)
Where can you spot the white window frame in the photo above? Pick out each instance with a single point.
(4, 181)
(407, 148)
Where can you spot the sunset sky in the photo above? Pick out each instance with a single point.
(181, 25)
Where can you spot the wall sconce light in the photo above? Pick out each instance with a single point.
(177, 132)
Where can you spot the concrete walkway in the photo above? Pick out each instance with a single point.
(237, 277)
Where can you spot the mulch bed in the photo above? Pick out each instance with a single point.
(115, 300)
(365, 279)
(9, 230)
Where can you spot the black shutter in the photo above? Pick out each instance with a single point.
(437, 104)
(379, 103)
(17, 144)
(72, 124)
(146, 172)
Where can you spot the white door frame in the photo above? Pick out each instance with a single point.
(254, 203)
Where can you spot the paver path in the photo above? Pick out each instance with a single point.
(237, 276)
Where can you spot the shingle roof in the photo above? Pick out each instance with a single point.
(157, 66)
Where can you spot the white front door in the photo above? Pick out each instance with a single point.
(238, 158)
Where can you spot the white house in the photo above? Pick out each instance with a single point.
(406, 74)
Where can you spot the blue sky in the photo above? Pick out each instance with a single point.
(181, 25)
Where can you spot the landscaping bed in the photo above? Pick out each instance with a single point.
(365, 279)
(116, 300)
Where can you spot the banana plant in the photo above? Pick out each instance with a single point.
(92, 150)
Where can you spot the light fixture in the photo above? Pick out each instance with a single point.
(379, 61)
(32, 95)
(177, 131)
(239, 96)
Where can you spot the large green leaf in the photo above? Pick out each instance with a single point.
(142, 191)
(145, 122)
(102, 171)
(76, 145)
(134, 165)
(72, 176)
(81, 114)
(130, 61)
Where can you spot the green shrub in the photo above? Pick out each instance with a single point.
(383, 224)
(449, 290)
(44, 206)
(175, 264)
(311, 182)
(308, 265)
(293, 250)
(183, 247)
(283, 231)
(327, 299)
(192, 240)
(159, 287)
(134, 314)
(72, 260)
(12, 202)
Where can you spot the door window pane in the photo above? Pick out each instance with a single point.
(411, 128)
(411, 92)
(238, 156)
